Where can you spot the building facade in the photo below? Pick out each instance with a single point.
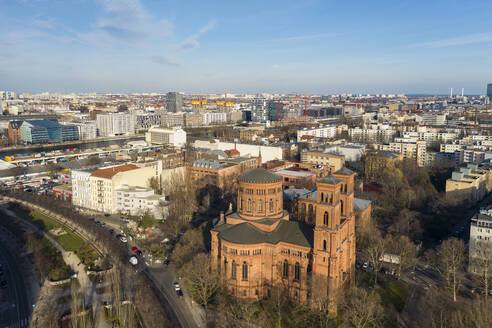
(258, 249)
(174, 102)
(175, 136)
(480, 241)
(115, 124)
(138, 201)
(323, 158)
(44, 131)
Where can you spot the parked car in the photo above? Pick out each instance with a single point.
(134, 249)
(133, 260)
(123, 239)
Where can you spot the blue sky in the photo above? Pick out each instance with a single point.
(246, 46)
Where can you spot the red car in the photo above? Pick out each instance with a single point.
(134, 249)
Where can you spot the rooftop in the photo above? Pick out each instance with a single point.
(109, 172)
(259, 175)
(344, 171)
(295, 173)
(329, 179)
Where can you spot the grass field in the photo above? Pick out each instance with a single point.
(69, 241)
(395, 293)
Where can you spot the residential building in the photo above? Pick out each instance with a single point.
(169, 120)
(352, 152)
(259, 248)
(377, 162)
(192, 120)
(480, 240)
(175, 136)
(174, 102)
(138, 201)
(214, 118)
(415, 150)
(81, 188)
(14, 132)
(259, 111)
(318, 157)
(434, 119)
(218, 172)
(144, 121)
(266, 152)
(87, 130)
(319, 132)
(470, 184)
(115, 124)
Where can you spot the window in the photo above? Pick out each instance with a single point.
(297, 271)
(285, 271)
(260, 205)
(325, 218)
(271, 205)
(303, 211)
(310, 213)
(341, 207)
(341, 188)
(345, 188)
(225, 267)
(250, 205)
(331, 198)
(322, 197)
(245, 271)
(324, 245)
(233, 270)
(241, 204)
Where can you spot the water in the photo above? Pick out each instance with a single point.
(84, 146)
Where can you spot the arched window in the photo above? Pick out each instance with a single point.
(297, 271)
(303, 211)
(322, 197)
(250, 205)
(260, 205)
(345, 188)
(325, 218)
(341, 207)
(233, 270)
(245, 271)
(324, 245)
(310, 213)
(285, 271)
(271, 205)
(341, 188)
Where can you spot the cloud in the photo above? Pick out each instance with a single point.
(43, 23)
(163, 60)
(457, 41)
(192, 41)
(127, 21)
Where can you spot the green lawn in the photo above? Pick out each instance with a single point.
(395, 293)
(148, 221)
(69, 241)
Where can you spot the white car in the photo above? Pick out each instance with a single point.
(123, 239)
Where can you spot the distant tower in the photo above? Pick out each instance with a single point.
(451, 93)
(462, 92)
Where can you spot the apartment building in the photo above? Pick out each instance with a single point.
(377, 162)
(138, 201)
(415, 150)
(192, 120)
(480, 240)
(175, 136)
(318, 157)
(214, 118)
(470, 184)
(352, 152)
(115, 124)
(379, 133)
(169, 120)
(434, 119)
(266, 152)
(319, 132)
(101, 185)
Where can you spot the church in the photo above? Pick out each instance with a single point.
(260, 247)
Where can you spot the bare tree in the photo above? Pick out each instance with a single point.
(481, 258)
(362, 309)
(406, 250)
(155, 185)
(374, 251)
(452, 260)
(202, 282)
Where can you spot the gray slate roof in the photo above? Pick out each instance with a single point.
(344, 171)
(260, 175)
(293, 232)
(330, 179)
(360, 204)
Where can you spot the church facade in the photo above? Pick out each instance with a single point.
(259, 248)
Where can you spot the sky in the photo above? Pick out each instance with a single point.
(305, 47)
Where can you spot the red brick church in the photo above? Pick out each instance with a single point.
(259, 247)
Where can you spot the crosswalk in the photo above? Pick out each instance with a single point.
(23, 323)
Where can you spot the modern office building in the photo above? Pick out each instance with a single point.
(115, 124)
(489, 91)
(44, 131)
(174, 136)
(174, 102)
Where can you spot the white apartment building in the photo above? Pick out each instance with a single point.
(214, 118)
(114, 124)
(431, 136)
(480, 238)
(81, 188)
(375, 134)
(320, 132)
(434, 119)
(268, 153)
(410, 149)
(352, 152)
(87, 130)
(174, 136)
(259, 111)
(138, 201)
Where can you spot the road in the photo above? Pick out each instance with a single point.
(16, 315)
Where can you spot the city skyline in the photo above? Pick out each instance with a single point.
(281, 47)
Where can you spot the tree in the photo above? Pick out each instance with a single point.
(362, 309)
(202, 282)
(407, 224)
(451, 260)
(374, 250)
(481, 258)
(155, 185)
(406, 250)
(181, 196)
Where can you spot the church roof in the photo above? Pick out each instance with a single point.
(329, 179)
(260, 175)
(361, 204)
(344, 171)
(292, 232)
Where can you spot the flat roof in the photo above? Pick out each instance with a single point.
(295, 173)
